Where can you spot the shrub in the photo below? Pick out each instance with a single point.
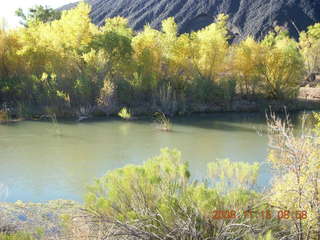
(296, 160)
(158, 201)
(16, 236)
(125, 114)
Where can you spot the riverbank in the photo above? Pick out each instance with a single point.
(307, 99)
(41, 220)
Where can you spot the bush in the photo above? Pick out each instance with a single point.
(158, 201)
(16, 236)
(296, 160)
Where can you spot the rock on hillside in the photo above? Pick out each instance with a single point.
(247, 17)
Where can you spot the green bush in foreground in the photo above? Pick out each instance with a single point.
(16, 236)
(158, 200)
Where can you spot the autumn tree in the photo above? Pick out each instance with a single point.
(247, 61)
(177, 55)
(148, 55)
(53, 53)
(12, 68)
(310, 48)
(211, 48)
(282, 67)
(109, 59)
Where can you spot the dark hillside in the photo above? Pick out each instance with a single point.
(247, 17)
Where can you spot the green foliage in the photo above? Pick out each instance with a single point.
(159, 199)
(16, 236)
(38, 14)
(159, 193)
(267, 236)
(121, 191)
(229, 175)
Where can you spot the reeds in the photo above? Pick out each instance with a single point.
(55, 124)
(164, 123)
(4, 116)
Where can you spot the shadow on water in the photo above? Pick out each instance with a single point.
(39, 166)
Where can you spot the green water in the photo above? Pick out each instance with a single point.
(41, 161)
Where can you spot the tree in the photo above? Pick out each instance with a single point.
(12, 68)
(114, 41)
(282, 67)
(53, 54)
(310, 48)
(148, 56)
(38, 13)
(177, 63)
(247, 61)
(211, 48)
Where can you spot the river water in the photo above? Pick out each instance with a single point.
(41, 161)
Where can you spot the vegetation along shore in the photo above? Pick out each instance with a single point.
(64, 64)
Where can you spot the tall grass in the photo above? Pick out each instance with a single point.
(4, 116)
(16, 236)
(164, 123)
(57, 129)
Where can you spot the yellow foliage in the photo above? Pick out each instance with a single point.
(310, 48)
(148, 55)
(247, 61)
(10, 63)
(211, 48)
(283, 68)
(53, 46)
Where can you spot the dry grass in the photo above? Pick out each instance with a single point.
(4, 117)
(164, 123)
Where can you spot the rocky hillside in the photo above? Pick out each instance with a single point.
(247, 17)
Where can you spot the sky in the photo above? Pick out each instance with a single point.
(8, 8)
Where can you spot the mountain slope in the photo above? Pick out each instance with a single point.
(247, 17)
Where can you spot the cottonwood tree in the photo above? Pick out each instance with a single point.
(282, 68)
(310, 48)
(211, 47)
(247, 61)
(38, 13)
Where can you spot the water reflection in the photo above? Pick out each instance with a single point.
(38, 165)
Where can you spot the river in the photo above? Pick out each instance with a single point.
(41, 161)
